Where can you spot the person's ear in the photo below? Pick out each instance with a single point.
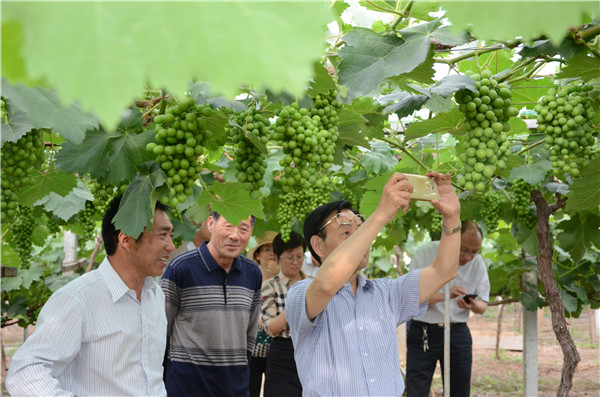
(126, 241)
(316, 242)
(210, 224)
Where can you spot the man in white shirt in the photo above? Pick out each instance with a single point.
(103, 334)
(425, 339)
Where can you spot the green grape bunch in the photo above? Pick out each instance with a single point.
(250, 161)
(22, 229)
(298, 203)
(436, 222)
(19, 160)
(308, 138)
(3, 112)
(491, 203)
(487, 111)
(522, 205)
(565, 116)
(180, 134)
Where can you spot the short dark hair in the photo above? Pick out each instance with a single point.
(216, 215)
(470, 225)
(315, 220)
(110, 234)
(280, 246)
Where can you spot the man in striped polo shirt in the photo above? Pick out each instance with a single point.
(212, 304)
(343, 326)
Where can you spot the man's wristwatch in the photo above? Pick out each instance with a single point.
(452, 230)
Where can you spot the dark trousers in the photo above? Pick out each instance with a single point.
(258, 366)
(281, 378)
(420, 365)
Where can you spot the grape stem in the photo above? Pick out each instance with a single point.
(403, 14)
(528, 147)
(4, 234)
(399, 13)
(163, 102)
(478, 51)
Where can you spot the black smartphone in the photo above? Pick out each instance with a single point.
(468, 297)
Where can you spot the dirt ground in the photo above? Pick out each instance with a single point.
(504, 377)
(491, 377)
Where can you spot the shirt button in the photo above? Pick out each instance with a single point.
(372, 380)
(366, 354)
(361, 328)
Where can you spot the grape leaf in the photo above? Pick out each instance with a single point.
(584, 192)
(278, 42)
(136, 210)
(450, 122)
(581, 66)
(531, 173)
(446, 36)
(439, 104)
(517, 126)
(496, 61)
(379, 5)
(529, 92)
(368, 57)
(44, 110)
(503, 20)
(127, 152)
(450, 84)
(338, 7)
(369, 202)
(528, 240)
(407, 105)
(350, 126)
(34, 273)
(183, 228)
(215, 123)
(423, 74)
(71, 204)
(12, 40)
(17, 126)
(321, 81)
(56, 181)
(578, 234)
(89, 157)
(232, 201)
(380, 159)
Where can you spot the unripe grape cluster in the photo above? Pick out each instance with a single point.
(19, 162)
(490, 209)
(250, 161)
(487, 111)
(298, 204)
(308, 138)
(22, 229)
(180, 133)
(436, 222)
(522, 203)
(3, 112)
(565, 115)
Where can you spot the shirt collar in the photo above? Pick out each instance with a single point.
(364, 283)
(210, 262)
(287, 280)
(116, 286)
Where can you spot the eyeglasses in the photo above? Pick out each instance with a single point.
(163, 236)
(297, 258)
(345, 219)
(467, 252)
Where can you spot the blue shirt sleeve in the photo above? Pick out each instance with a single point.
(295, 311)
(404, 297)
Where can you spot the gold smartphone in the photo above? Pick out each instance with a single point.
(424, 188)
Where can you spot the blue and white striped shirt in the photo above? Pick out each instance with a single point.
(94, 338)
(351, 348)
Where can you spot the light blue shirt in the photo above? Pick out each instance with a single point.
(94, 338)
(351, 348)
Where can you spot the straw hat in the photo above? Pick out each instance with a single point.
(266, 239)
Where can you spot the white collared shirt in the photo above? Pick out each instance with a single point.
(93, 337)
(472, 276)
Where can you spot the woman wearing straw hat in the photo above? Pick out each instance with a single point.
(262, 253)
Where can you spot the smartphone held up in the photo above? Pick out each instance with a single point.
(424, 188)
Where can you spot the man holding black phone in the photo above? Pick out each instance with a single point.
(469, 291)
